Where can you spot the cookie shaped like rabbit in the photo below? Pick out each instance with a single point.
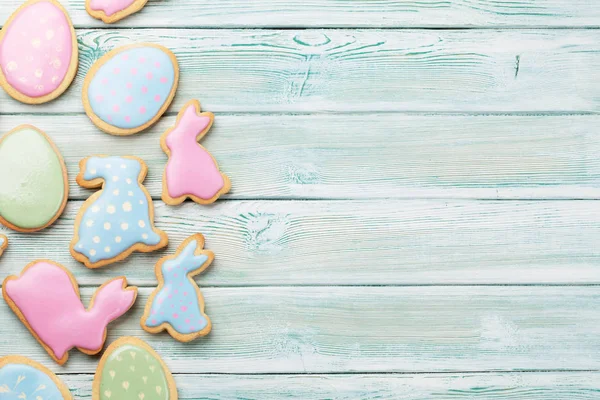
(110, 11)
(117, 220)
(177, 304)
(191, 170)
(3, 243)
(46, 299)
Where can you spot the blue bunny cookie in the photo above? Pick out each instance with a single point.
(117, 220)
(177, 305)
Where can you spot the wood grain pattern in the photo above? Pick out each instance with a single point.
(364, 70)
(367, 329)
(492, 386)
(341, 157)
(356, 243)
(349, 13)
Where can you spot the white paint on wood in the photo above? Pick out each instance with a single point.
(364, 70)
(366, 329)
(381, 242)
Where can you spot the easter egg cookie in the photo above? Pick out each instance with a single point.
(131, 370)
(177, 305)
(34, 188)
(38, 52)
(191, 170)
(46, 299)
(3, 243)
(117, 220)
(111, 11)
(22, 378)
(130, 88)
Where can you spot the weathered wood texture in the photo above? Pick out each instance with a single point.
(357, 243)
(367, 329)
(348, 13)
(492, 386)
(364, 70)
(343, 157)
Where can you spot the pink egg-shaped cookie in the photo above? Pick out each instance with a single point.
(38, 52)
(110, 11)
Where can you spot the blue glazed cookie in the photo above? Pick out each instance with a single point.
(117, 220)
(22, 378)
(129, 89)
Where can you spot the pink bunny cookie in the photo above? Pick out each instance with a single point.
(110, 11)
(191, 170)
(46, 299)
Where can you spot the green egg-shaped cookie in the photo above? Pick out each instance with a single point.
(131, 370)
(33, 180)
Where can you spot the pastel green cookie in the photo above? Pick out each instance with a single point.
(131, 370)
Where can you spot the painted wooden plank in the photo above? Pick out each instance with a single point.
(492, 386)
(364, 70)
(367, 329)
(352, 13)
(357, 243)
(342, 157)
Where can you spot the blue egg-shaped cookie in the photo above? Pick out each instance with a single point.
(130, 88)
(22, 378)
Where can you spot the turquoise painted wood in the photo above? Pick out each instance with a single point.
(414, 212)
(348, 13)
(366, 71)
(367, 242)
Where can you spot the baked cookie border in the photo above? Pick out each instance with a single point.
(133, 341)
(200, 250)
(99, 183)
(111, 129)
(71, 72)
(62, 387)
(75, 284)
(174, 201)
(64, 174)
(4, 245)
(134, 7)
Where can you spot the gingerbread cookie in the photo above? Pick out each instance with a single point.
(34, 188)
(38, 52)
(177, 305)
(191, 170)
(110, 11)
(131, 370)
(3, 243)
(117, 220)
(22, 378)
(46, 299)
(130, 88)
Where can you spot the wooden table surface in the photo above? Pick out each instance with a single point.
(414, 212)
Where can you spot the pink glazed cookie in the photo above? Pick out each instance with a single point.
(46, 299)
(110, 11)
(38, 52)
(191, 170)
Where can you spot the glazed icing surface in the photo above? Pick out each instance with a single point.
(45, 295)
(32, 189)
(110, 7)
(22, 381)
(120, 217)
(177, 302)
(36, 50)
(130, 89)
(191, 170)
(130, 371)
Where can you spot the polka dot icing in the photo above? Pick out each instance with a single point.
(111, 11)
(130, 88)
(120, 220)
(177, 304)
(38, 52)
